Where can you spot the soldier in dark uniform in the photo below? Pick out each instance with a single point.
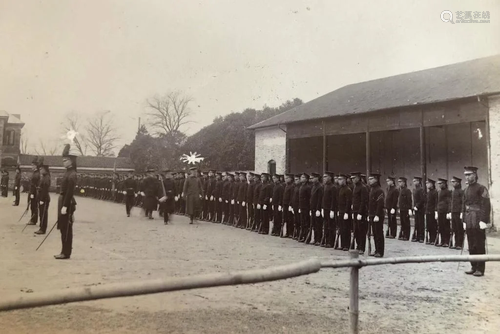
(443, 212)
(457, 195)
(66, 204)
(391, 204)
(376, 213)
(219, 203)
(34, 181)
(328, 210)
(277, 206)
(430, 209)
(419, 210)
(476, 213)
(168, 196)
(304, 206)
(315, 207)
(296, 207)
(130, 186)
(287, 207)
(257, 208)
(226, 197)
(233, 208)
(17, 186)
(209, 196)
(242, 194)
(359, 211)
(405, 206)
(265, 195)
(5, 183)
(150, 194)
(43, 198)
(193, 192)
(344, 202)
(250, 204)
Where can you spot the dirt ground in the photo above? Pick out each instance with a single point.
(109, 248)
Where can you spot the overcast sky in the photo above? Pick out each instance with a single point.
(92, 55)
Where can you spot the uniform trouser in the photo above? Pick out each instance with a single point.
(444, 228)
(431, 226)
(265, 220)
(378, 236)
(129, 203)
(477, 246)
(296, 221)
(392, 223)
(44, 215)
(243, 216)
(360, 230)
(345, 231)
(419, 225)
(456, 223)
(329, 225)
(16, 195)
(226, 210)
(318, 227)
(4, 191)
(287, 219)
(277, 220)
(211, 209)
(305, 222)
(231, 213)
(405, 223)
(65, 225)
(34, 210)
(218, 210)
(251, 210)
(257, 217)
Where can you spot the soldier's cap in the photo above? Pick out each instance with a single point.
(166, 171)
(213, 171)
(229, 174)
(18, 168)
(315, 175)
(265, 174)
(377, 175)
(298, 175)
(354, 174)
(470, 170)
(362, 175)
(431, 181)
(440, 180)
(402, 178)
(290, 175)
(219, 173)
(243, 173)
(457, 179)
(331, 174)
(256, 175)
(345, 176)
(392, 178)
(305, 174)
(193, 168)
(417, 178)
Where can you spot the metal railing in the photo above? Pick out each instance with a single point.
(244, 277)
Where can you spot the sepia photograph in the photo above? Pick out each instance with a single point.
(253, 167)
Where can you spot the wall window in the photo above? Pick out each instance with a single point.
(9, 138)
(271, 167)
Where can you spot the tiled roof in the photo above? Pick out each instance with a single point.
(82, 162)
(440, 84)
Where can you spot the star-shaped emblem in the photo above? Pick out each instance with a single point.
(192, 158)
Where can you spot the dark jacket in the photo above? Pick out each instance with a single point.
(444, 201)
(419, 199)
(316, 196)
(329, 193)
(288, 194)
(457, 196)
(278, 191)
(431, 201)
(305, 196)
(391, 200)
(476, 197)
(43, 194)
(360, 199)
(376, 202)
(405, 201)
(345, 200)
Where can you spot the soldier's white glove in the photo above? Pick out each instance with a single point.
(64, 210)
(135, 195)
(232, 201)
(272, 207)
(206, 197)
(332, 215)
(176, 198)
(461, 215)
(32, 196)
(375, 219)
(409, 212)
(299, 211)
(465, 226)
(238, 202)
(436, 215)
(124, 193)
(142, 193)
(346, 216)
(483, 225)
(270, 200)
(448, 216)
(243, 203)
(318, 213)
(258, 206)
(264, 207)
(393, 211)
(220, 199)
(323, 213)
(291, 209)
(279, 208)
(15, 188)
(359, 217)
(227, 201)
(415, 208)
(211, 198)
(41, 203)
(338, 213)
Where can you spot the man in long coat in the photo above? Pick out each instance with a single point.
(151, 192)
(167, 195)
(193, 192)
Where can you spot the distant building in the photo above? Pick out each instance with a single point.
(10, 139)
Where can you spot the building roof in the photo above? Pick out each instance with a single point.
(451, 82)
(106, 163)
(12, 119)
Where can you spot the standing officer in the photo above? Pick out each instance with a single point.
(44, 198)
(193, 189)
(34, 181)
(430, 209)
(209, 195)
(376, 213)
(391, 204)
(249, 202)
(457, 195)
(265, 195)
(344, 202)
(419, 208)
(130, 191)
(287, 229)
(242, 199)
(295, 209)
(328, 210)
(359, 211)
(150, 194)
(315, 207)
(443, 212)
(17, 186)
(219, 204)
(5, 183)
(257, 208)
(226, 197)
(304, 206)
(167, 200)
(277, 206)
(405, 205)
(476, 213)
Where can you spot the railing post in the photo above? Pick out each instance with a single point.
(353, 294)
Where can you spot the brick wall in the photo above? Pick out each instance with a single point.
(270, 144)
(494, 148)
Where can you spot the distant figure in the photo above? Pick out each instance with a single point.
(17, 186)
(193, 191)
(5, 183)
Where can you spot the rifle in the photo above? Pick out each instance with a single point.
(451, 238)
(426, 236)
(369, 234)
(463, 246)
(337, 239)
(309, 234)
(353, 240)
(323, 237)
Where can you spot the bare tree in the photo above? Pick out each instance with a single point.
(169, 112)
(45, 148)
(73, 121)
(101, 134)
(24, 142)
